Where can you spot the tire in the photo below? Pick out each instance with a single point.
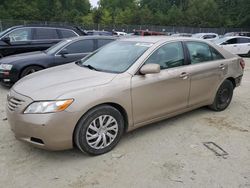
(89, 126)
(248, 54)
(30, 70)
(223, 96)
(1, 55)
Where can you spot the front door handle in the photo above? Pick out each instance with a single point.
(184, 75)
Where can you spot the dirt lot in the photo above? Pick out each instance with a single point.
(166, 154)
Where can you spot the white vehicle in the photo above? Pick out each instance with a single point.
(236, 45)
(206, 36)
(118, 33)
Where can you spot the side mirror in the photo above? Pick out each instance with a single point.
(150, 69)
(63, 52)
(6, 40)
(224, 43)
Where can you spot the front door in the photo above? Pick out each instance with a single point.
(156, 95)
(74, 51)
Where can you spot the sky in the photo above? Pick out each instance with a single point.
(93, 3)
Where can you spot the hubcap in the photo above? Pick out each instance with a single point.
(102, 131)
(224, 96)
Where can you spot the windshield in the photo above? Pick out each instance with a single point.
(4, 32)
(116, 57)
(58, 46)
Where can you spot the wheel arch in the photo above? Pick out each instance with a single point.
(116, 106)
(30, 65)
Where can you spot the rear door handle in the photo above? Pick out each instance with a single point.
(222, 66)
(184, 75)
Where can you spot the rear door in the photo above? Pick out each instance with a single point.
(75, 51)
(45, 38)
(243, 45)
(207, 68)
(156, 95)
(20, 41)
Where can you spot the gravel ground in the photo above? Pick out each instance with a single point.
(166, 154)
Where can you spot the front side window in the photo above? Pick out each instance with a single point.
(199, 52)
(82, 46)
(23, 34)
(116, 57)
(232, 41)
(209, 36)
(168, 56)
(45, 34)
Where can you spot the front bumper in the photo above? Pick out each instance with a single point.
(8, 77)
(52, 131)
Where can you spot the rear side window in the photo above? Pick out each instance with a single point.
(199, 52)
(23, 34)
(83, 46)
(45, 33)
(103, 42)
(67, 33)
(215, 54)
(243, 40)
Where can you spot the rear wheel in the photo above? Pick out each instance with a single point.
(99, 130)
(30, 70)
(223, 96)
(248, 54)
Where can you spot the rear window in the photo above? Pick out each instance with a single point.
(45, 33)
(67, 33)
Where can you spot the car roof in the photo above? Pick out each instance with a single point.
(231, 37)
(156, 39)
(91, 37)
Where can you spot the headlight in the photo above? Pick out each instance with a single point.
(6, 66)
(48, 106)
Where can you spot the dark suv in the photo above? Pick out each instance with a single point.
(20, 39)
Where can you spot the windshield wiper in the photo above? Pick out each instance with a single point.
(90, 67)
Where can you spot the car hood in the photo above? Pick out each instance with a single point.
(24, 57)
(51, 83)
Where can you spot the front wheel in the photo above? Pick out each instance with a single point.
(223, 96)
(30, 70)
(99, 130)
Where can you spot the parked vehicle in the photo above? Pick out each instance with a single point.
(181, 35)
(147, 33)
(13, 68)
(124, 85)
(206, 36)
(231, 34)
(236, 45)
(102, 33)
(119, 33)
(21, 39)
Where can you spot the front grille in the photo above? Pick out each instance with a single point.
(14, 103)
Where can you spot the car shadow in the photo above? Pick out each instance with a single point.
(145, 131)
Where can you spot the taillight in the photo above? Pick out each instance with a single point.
(242, 63)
